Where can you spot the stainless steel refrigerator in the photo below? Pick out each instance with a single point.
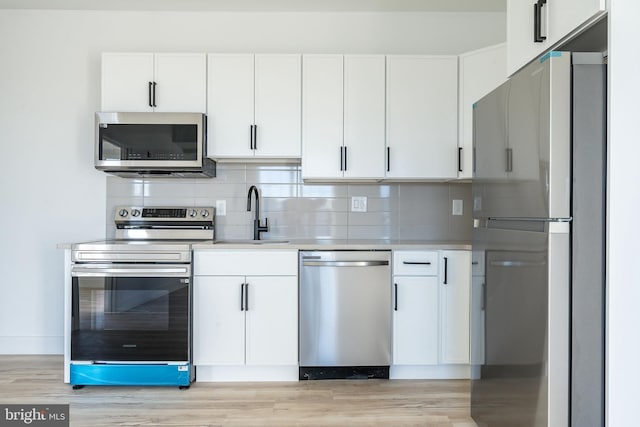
(537, 349)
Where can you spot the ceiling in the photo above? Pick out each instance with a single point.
(266, 5)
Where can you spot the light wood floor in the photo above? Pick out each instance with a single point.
(38, 380)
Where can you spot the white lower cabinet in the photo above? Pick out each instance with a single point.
(219, 323)
(415, 321)
(262, 332)
(431, 314)
(245, 326)
(454, 306)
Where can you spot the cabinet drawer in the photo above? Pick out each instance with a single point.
(415, 263)
(240, 262)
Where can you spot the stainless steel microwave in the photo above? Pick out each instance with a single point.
(153, 144)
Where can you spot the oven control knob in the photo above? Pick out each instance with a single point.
(204, 213)
(135, 212)
(123, 213)
(193, 213)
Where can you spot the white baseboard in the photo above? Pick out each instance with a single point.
(429, 372)
(206, 373)
(32, 345)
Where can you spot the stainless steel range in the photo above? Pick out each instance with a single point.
(131, 299)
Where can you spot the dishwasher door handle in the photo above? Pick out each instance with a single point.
(344, 263)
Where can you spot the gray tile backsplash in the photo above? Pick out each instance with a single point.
(298, 210)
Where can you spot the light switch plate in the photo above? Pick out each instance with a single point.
(221, 207)
(359, 204)
(457, 207)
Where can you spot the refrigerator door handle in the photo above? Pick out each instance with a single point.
(510, 263)
(525, 219)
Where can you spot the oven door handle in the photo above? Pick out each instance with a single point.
(140, 270)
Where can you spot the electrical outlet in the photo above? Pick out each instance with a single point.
(221, 207)
(457, 207)
(359, 204)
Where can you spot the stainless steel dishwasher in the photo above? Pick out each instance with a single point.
(345, 314)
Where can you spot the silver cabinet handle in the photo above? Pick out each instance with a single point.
(344, 263)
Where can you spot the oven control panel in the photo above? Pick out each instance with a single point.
(135, 213)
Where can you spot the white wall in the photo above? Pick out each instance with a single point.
(623, 340)
(49, 90)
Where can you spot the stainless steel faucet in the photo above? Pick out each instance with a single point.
(257, 228)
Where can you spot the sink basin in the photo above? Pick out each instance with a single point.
(250, 242)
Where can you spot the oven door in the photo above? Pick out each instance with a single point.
(131, 312)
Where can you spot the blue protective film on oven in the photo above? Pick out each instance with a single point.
(130, 374)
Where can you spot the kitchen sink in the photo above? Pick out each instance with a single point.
(250, 242)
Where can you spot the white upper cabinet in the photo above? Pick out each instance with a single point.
(278, 95)
(537, 25)
(254, 106)
(343, 117)
(481, 71)
(364, 115)
(230, 105)
(167, 82)
(322, 116)
(422, 117)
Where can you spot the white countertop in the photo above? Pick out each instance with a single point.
(310, 244)
(306, 244)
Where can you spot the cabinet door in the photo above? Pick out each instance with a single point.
(230, 105)
(455, 286)
(481, 71)
(567, 15)
(415, 321)
(322, 116)
(272, 320)
(422, 117)
(218, 321)
(364, 116)
(559, 18)
(125, 81)
(181, 82)
(278, 95)
(520, 45)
